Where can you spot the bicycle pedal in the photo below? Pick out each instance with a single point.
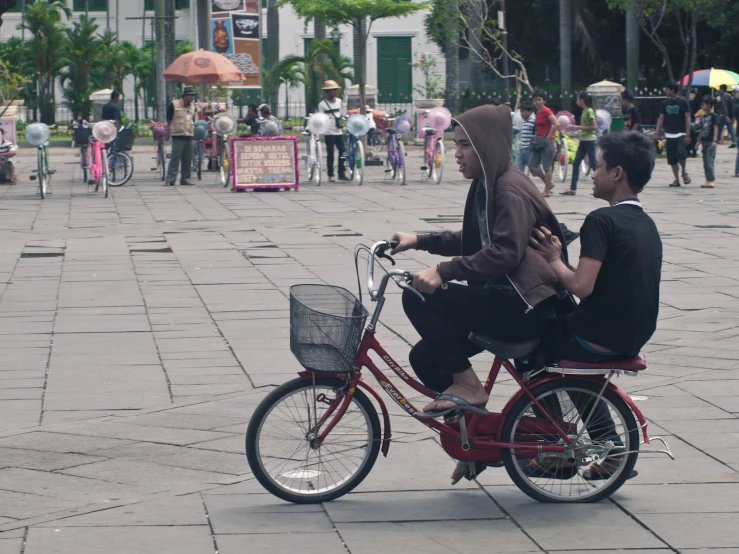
(424, 168)
(91, 181)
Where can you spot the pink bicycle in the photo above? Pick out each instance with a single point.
(103, 132)
(316, 437)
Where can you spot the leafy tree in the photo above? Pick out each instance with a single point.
(43, 20)
(355, 13)
(444, 28)
(81, 54)
(310, 70)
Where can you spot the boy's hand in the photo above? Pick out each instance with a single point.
(406, 241)
(427, 281)
(546, 244)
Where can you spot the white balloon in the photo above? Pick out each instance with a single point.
(37, 134)
(318, 124)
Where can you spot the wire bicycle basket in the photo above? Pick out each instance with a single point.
(326, 326)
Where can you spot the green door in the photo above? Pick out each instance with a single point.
(394, 71)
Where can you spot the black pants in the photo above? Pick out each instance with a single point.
(338, 142)
(446, 319)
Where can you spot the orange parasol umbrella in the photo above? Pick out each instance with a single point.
(202, 67)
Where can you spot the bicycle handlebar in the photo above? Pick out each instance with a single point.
(402, 278)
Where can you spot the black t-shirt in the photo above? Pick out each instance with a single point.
(631, 118)
(111, 112)
(621, 312)
(674, 112)
(708, 120)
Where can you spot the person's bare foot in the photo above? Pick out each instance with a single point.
(467, 386)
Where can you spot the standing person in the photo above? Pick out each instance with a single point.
(528, 130)
(181, 119)
(331, 106)
(632, 118)
(709, 133)
(675, 117)
(542, 145)
(251, 119)
(112, 110)
(587, 140)
(726, 113)
(8, 150)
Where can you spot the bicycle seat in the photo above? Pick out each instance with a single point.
(638, 363)
(508, 351)
(390, 131)
(429, 132)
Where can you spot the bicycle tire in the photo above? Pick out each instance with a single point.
(401, 162)
(562, 160)
(585, 166)
(427, 156)
(317, 172)
(540, 392)
(161, 161)
(438, 162)
(83, 163)
(309, 165)
(124, 169)
(358, 173)
(256, 426)
(41, 174)
(224, 166)
(104, 176)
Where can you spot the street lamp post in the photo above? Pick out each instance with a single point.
(504, 40)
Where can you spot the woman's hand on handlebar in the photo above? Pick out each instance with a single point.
(406, 241)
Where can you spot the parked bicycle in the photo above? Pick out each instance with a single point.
(37, 135)
(561, 157)
(198, 156)
(103, 132)
(223, 126)
(315, 125)
(120, 163)
(437, 119)
(160, 131)
(81, 136)
(395, 163)
(357, 126)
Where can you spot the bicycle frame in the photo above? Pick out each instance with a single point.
(95, 153)
(429, 146)
(392, 151)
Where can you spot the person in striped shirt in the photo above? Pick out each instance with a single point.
(527, 132)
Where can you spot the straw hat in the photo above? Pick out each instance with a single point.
(330, 85)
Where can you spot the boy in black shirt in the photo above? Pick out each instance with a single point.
(632, 119)
(675, 117)
(617, 280)
(709, 139)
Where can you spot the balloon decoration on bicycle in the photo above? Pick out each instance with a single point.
(357, 126)
(568, 434)
(317, 124)
(437, 121)
(37, 135)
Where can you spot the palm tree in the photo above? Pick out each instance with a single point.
(291, 78)
(81, 55)
(43, 21)
(337, 67)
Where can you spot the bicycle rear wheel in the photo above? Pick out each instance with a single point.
(224, 167)
(281, 448)
(437, 164)
(121, 168)
(548, 478)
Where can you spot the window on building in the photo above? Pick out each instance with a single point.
(90, 5)
(179, 4)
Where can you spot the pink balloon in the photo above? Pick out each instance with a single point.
(439, 118)
(564, 122)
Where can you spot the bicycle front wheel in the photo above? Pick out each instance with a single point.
(604, 432)
(121, 169)
(437, 165)
(400, 173)
(224, 166)
(42, 176)
(358, 171)
(562, 160)
(161, 161)
(281, 448)
(317, 167)
(104, 177)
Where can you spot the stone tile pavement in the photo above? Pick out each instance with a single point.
(138, 334)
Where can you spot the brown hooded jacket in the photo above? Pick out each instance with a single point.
(517, 208)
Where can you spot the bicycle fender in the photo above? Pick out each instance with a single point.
(613, 388)
(387, 432)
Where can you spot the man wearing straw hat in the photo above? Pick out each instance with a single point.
(181, 120)
(331, 106)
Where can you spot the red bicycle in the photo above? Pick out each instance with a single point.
(316, 437)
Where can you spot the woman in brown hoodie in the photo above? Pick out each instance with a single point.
(510, 288)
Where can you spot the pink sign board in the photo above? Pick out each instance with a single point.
(265, 163)
(8, 127)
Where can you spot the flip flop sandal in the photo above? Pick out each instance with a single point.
(686, 179)
(675, 184)
(708, 186)
(568, 192)
(599, 473)
(459, 404)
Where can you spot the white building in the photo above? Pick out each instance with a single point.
(393, 44)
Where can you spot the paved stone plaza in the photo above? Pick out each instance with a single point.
(138, 334)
